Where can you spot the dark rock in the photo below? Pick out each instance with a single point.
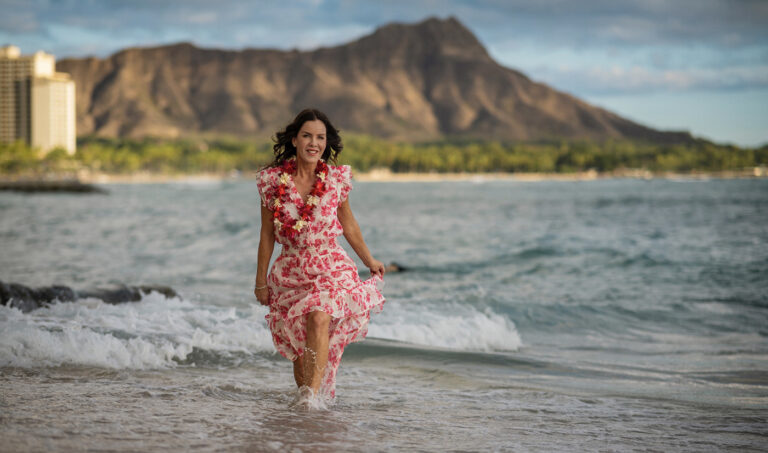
(122, 294)
(394, 267)
(19, 296)
(27, 299)
(56, 293)
(50, 186)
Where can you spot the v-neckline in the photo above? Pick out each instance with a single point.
(296, 191)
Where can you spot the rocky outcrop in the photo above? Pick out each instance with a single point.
(27, 299)
(422, 81)
(49, 186)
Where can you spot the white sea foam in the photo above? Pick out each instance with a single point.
(306, 399)
(158, 332)
(152, 333)
(452, 326)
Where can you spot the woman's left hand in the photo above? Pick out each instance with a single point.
(376, 267)
(262, 295)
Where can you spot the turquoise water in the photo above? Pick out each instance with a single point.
(610, 314)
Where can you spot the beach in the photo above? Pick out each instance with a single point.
(606, 314)
(386, 175)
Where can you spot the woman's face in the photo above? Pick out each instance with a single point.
(310, 141)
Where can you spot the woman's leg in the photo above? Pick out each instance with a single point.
(315, 354)
(298, 372)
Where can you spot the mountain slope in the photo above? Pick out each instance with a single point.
(422, 81)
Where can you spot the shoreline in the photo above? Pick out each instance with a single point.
(387, 176)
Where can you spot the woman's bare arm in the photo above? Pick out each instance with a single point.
(355, 238)
(266, 247)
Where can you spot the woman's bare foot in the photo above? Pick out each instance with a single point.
(308, 400)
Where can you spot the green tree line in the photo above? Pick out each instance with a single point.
(189, 156)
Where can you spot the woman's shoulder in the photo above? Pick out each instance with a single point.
(266, 182)
(268, 179)
(269, 171)
(342, 177)
(268, 174)
(340, 172)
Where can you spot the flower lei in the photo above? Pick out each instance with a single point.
(284, 222)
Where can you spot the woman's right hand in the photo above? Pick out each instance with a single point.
(262, 295)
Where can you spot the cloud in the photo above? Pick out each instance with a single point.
(652, 44)
(725, 23)
(632, 22)
(632, 49)
(620, 80)
(18, 17)
(201, 18)
(723, 116)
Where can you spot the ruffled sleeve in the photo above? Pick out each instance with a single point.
(266, 183)
(344, 181)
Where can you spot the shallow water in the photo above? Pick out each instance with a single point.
(607, 315)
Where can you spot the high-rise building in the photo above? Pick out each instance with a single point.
(37, 104)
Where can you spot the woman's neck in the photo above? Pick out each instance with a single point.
(305, 170)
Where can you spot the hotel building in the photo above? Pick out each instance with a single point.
(37, 104)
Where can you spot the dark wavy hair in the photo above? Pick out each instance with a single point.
(284, 149)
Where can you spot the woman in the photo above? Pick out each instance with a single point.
(317, 302)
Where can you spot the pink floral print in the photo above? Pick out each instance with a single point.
(314, 273)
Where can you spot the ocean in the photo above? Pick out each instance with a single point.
(606, 315)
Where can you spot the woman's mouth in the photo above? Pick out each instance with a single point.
(312, 152)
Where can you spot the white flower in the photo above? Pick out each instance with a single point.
(284, 178)
(278, 224)
(277, 203)
(313, 200)
(321, 176)
(299, 225)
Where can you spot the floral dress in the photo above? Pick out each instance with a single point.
(314, 273)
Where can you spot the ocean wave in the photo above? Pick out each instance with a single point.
(160, 332)
(153, 333)
(452, 326)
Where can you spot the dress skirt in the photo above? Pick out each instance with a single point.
(320, 278)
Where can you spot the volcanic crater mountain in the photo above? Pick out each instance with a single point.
(423, 81)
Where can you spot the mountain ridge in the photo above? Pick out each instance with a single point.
(424, 81)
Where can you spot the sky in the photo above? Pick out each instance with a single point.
(695, 65)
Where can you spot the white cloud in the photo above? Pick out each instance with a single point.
(724, 116)
(636, 79)
(200, 18)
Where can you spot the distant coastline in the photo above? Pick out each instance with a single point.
(150, 160)
(98, 182)
(388, 176)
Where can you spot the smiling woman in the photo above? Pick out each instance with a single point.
(317, 302)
